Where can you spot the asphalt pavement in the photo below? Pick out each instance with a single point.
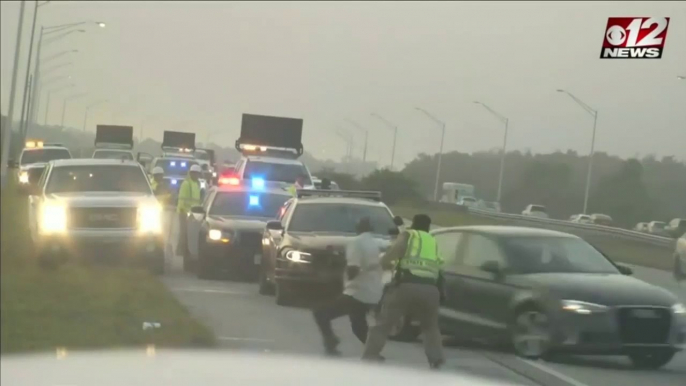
(244, 320)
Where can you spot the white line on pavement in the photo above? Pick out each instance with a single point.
(211, 291)
(235, 339)
(552, 372)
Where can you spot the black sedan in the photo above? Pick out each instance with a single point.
(304, 251)
(225, 233)
(544, 292)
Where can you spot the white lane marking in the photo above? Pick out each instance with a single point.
(552, 372)
(211, 291)
(236, 339)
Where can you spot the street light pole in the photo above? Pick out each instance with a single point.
(504, 150)
(13, 89)
(395, 134)
(47, 104)
(366, 138)
(440, 151)
(594, 113)
(85, 116)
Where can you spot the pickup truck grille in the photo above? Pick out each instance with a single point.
(107, 218)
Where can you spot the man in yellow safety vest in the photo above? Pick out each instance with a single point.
(416, 290)
(189, 196)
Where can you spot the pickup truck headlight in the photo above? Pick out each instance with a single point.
(150, 219)
(299, 257)
(53, 218)
(24, 177)
(584, 308)
(219, 235)
(679, 309)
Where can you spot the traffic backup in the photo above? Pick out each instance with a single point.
(102, 209)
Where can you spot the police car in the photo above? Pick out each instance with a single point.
(113, 142)
(33, 159)
(304, 248)
(274, 169)
(225, 233)
(99, 209)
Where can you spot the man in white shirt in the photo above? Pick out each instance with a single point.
(363, 288)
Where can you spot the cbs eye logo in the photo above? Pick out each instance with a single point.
(634, 38)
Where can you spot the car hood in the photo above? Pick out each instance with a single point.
(605, 289)
(241, 223)
(33, 166)
(103, 199)
(317, 241)
(214, 368)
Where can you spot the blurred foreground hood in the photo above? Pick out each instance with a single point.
(210, 368)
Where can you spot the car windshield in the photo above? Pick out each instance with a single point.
(175, 166)
(538, 208)
(469, 199)
(659, 225)
(339, 218)
(276, 171)
(43, 155)
(554, 254)
(112, 154)
(202, 155)
(247, 204)
(97, 178)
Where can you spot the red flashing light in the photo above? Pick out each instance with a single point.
(225, 180)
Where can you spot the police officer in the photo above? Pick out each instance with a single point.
(160, 189)
(416, 289)
(326, 184)
(299, 183)
(189, 196)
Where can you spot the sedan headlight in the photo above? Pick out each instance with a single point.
(679, 309)
(299, 257)
(584, 308)
(53, 218)
(24, 177)
(150, 219)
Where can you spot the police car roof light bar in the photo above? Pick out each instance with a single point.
(362, 194)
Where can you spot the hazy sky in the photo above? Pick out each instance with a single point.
(199, 65)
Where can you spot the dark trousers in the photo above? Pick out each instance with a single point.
(341, 306)
(182, 242)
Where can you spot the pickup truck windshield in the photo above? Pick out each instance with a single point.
(43, 155)
(97, 178)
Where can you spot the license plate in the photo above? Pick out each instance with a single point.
(258, 258)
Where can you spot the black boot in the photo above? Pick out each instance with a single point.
(331, 346)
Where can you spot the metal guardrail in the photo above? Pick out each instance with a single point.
(562, 225)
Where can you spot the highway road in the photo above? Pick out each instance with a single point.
(244, 320)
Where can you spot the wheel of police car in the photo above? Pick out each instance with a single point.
(651, 359)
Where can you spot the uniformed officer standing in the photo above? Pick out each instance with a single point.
(299, 183)
(189, 196)
(416, 290)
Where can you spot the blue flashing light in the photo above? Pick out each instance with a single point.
(173, 182)
(172, 163)
(254, 201)
(183, 164)
(258, 183)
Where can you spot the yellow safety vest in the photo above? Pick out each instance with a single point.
(163, 198)
(293, 190)
(189, 195)
(421, 257)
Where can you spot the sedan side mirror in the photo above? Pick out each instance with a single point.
(274, 225)
(624, 270)
(398, 221)
(197, 210)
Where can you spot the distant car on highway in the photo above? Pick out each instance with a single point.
(641, 227)
(676, 227)
(581, 219)
(469, 202)
(680, 258)
(304, 249)
(101, 208)
(657, 228)
(543, 292)
(532, 210)
(225, 233)
(602, 219)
